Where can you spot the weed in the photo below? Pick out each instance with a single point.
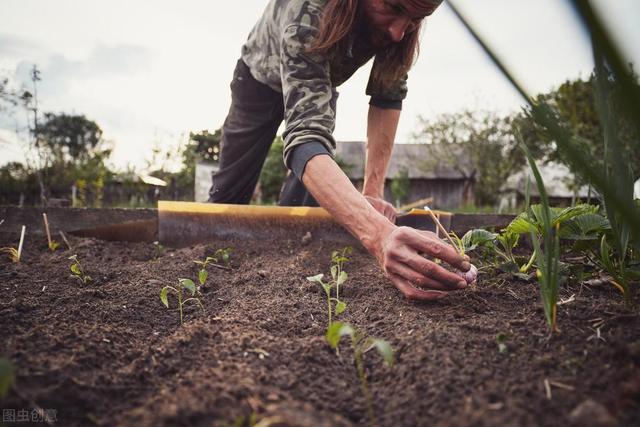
(77, 271)
(360, 344)
(221, 255)
(182, 284)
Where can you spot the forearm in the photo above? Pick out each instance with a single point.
(381, 132)
(333, 191)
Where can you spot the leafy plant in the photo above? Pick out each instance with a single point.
(182, 285)
(338, 277)
(78, 271)
(7, 376)
(360, 344)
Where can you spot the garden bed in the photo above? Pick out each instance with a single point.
(109, 353)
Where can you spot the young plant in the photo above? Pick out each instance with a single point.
(77, 271)
(338, 277)
(182, 285)
(158, 250)
(15, 254)
(360, 344)
(52, 244)
(221, 255)
(546, 248)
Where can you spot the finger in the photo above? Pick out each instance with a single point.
(418, 279)
(413, 293)
(428, 243)
(433, 271)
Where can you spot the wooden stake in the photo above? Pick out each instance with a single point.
(46, 228)
(64, 238)
(440, 227)
(24, 228)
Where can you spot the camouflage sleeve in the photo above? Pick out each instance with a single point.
(309, 99)
(390, 96)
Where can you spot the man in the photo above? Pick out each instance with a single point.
(294, 58)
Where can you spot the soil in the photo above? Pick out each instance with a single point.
(109, 353)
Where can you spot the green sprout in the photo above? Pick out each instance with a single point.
(501, 340)
(53, 245)
(338, 277)
(13, 254)
(360, 344)
(182, 284)
(7, 376)
(158, 250)
(221, 255)
(77, 271)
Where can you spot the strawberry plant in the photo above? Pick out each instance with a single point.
(360, 344)
(182, 285)
(78, 271)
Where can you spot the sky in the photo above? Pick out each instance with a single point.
(148, 73)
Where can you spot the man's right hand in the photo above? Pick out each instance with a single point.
(400, 254)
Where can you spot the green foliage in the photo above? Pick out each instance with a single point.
(360, 344)
(183, 284)
(546, 249)
(338, 278)
(273, 172)
(221, 255)
(400, 187)
(7, 376)
(77, 270)
(480, 146)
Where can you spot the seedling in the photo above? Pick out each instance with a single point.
(360, 344)
(182, 285)
(78, 271)
(338, 277)
(15, 254)
(158, 250)
(221, 255)
(501, 340)
(53, 245)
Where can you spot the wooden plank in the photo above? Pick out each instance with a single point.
(68, 219)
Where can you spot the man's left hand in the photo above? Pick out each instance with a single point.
(382, 206)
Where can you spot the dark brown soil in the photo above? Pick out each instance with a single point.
(109, 353)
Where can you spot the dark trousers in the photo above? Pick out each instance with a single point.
(247, 133)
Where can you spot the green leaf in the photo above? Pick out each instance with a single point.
(385, 350)
(521, 224)
(317, 278)
(340, 307)
(337, 330)
(501, 339)
(73, 257)
(163, 296)
(334, 271)
(202, 276)
(584, 227)
(342, 278)
(75, 269)
(189, 285)
(478, 237)
(326, 287)
(7, 376)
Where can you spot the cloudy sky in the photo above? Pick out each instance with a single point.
(150, 72)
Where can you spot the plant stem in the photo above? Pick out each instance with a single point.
(180, 304)
(328, 292)
(525, 268)
(363, 385)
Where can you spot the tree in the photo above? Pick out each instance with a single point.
(70, 138)
(480, 145)
(574, 102)
(273, 172)
(400, 187)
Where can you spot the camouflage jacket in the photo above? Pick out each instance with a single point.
(276, 53)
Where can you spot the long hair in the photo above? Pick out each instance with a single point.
(337, 22)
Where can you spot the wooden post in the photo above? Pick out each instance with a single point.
(21, 242)
(46, 228)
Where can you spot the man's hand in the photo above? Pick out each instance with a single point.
(400, 254)
(382, 206)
